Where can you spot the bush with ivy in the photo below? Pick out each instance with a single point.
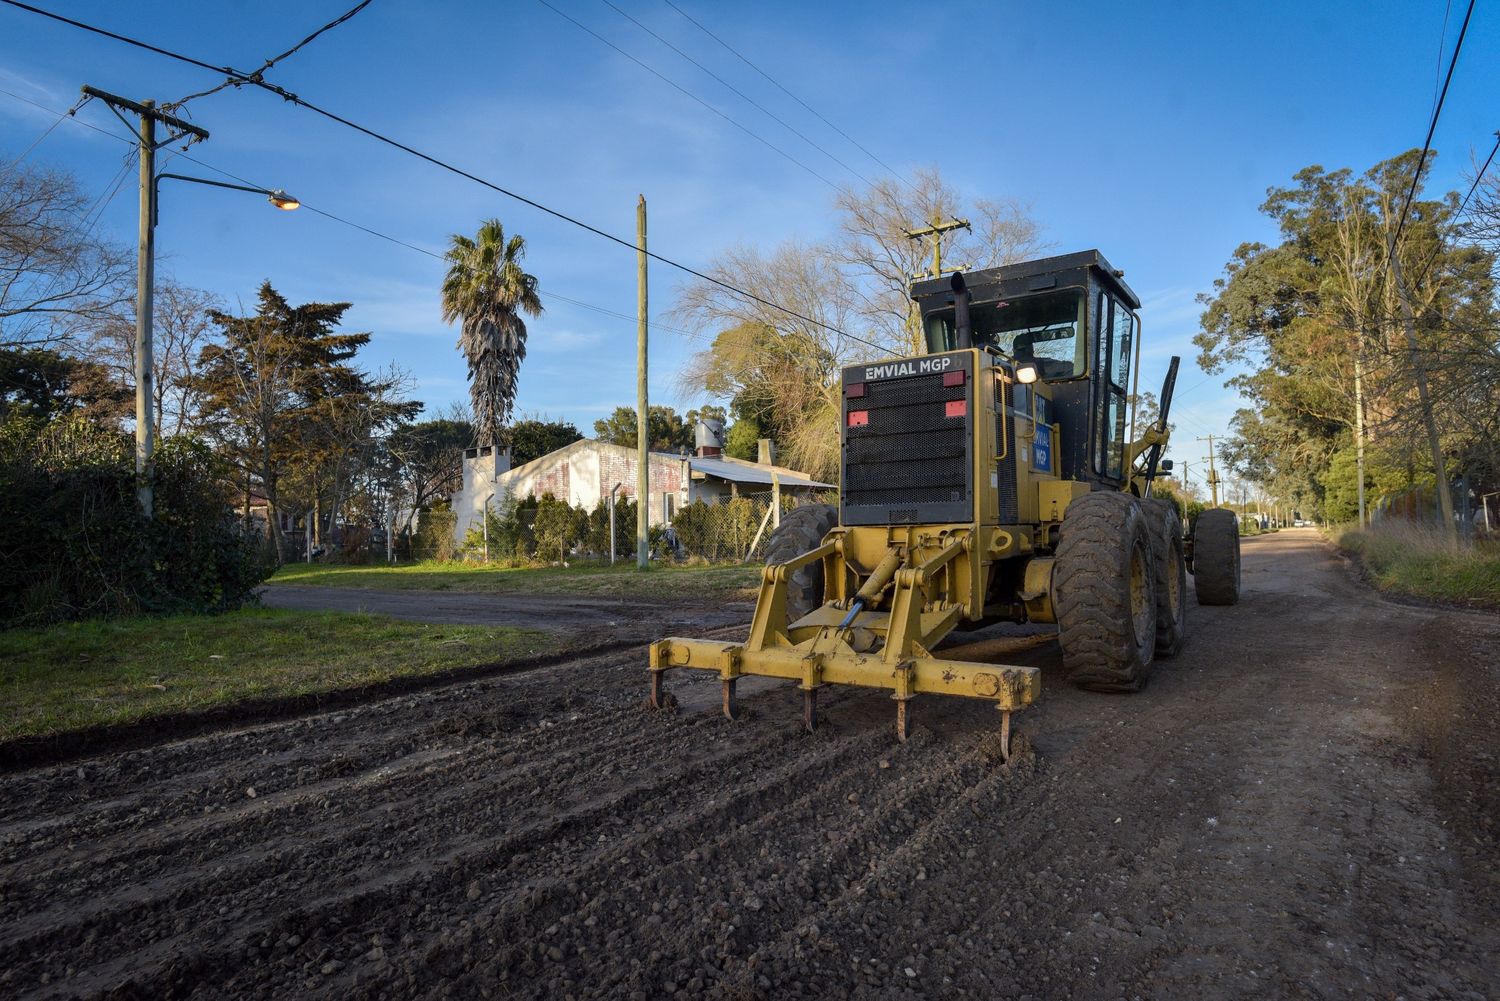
(75, 543)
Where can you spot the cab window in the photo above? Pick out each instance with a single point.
(1114, 329)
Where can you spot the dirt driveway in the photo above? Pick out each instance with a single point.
(1303, 804)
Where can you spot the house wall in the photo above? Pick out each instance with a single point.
(482, 469)
(581, 473)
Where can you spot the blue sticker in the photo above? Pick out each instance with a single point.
(1041, 451)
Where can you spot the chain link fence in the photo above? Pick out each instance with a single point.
(550, 531)
(1476, 513)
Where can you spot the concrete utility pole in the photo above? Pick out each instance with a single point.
(1213, 472)
(642, 407)
(1419, 374)
(145, 427)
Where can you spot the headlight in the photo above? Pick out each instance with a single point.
(1026, 372)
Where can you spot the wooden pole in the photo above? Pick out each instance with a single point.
(642, 405)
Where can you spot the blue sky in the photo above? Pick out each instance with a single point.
(1150, 131)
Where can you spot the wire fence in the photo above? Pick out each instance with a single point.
(1476, 513)
(734, 530)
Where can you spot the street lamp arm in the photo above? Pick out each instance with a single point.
(277, 197)
(216, 184)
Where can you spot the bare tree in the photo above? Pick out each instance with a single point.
(881, 260)
(54, 273)
(781, 369)
(181, 328)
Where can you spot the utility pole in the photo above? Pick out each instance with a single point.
(642, 407)
(1419, 373)
(1213, 472)
(145, 428)
(933, 232)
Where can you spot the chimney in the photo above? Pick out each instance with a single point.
(708, 437)
(767, 456)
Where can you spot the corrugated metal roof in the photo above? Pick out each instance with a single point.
(747, 473)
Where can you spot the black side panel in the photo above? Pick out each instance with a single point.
(907, 437)
(1070, 401)
(1005, 469)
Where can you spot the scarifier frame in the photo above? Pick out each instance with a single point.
(926, 598)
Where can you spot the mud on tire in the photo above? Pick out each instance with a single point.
(802, 530)
(1171, 574)
(1104, 591)
(1216, 557)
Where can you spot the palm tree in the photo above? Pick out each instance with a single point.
(486, 289)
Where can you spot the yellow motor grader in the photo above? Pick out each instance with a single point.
(996, 477)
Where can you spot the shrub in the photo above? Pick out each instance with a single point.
(434, 536)
(76, 544)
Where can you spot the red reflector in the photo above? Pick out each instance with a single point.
(854, 390)
(953, 378)
(955, 408)
(859, 418)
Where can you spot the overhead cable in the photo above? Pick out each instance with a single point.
(1432, 126)
(677, 86)
(747, 98)
(736, 53)
(435, 161)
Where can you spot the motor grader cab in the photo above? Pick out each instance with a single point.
(999, 476)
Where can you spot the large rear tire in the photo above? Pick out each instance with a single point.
(1216, 557)
(1171, 574)
(1105, 593)
(802, 530)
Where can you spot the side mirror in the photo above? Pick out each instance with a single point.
(1165, 465)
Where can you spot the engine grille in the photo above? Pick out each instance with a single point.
(906, 459)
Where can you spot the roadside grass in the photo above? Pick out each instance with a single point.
(65, 677)
(598, 579)
(1406, 558)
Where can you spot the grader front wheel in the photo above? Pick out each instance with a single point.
(802, 530)
(1105, 593)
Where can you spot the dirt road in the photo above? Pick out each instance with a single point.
(556, 613)
(1303, 804)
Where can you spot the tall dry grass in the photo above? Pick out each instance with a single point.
(1416, 559)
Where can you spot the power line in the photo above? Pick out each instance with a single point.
(885, 166)
(116, 181)
(546, 294)
(55, 123)
(677, 86)
(435, 161)
(747, 98)
(275, 59)
(1458, 215)
(1432, 126)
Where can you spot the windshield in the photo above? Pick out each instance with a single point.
(1041, 328)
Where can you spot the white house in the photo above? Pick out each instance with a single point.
(584, 472)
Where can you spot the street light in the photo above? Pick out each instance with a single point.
(275, 196)
(145, 374)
